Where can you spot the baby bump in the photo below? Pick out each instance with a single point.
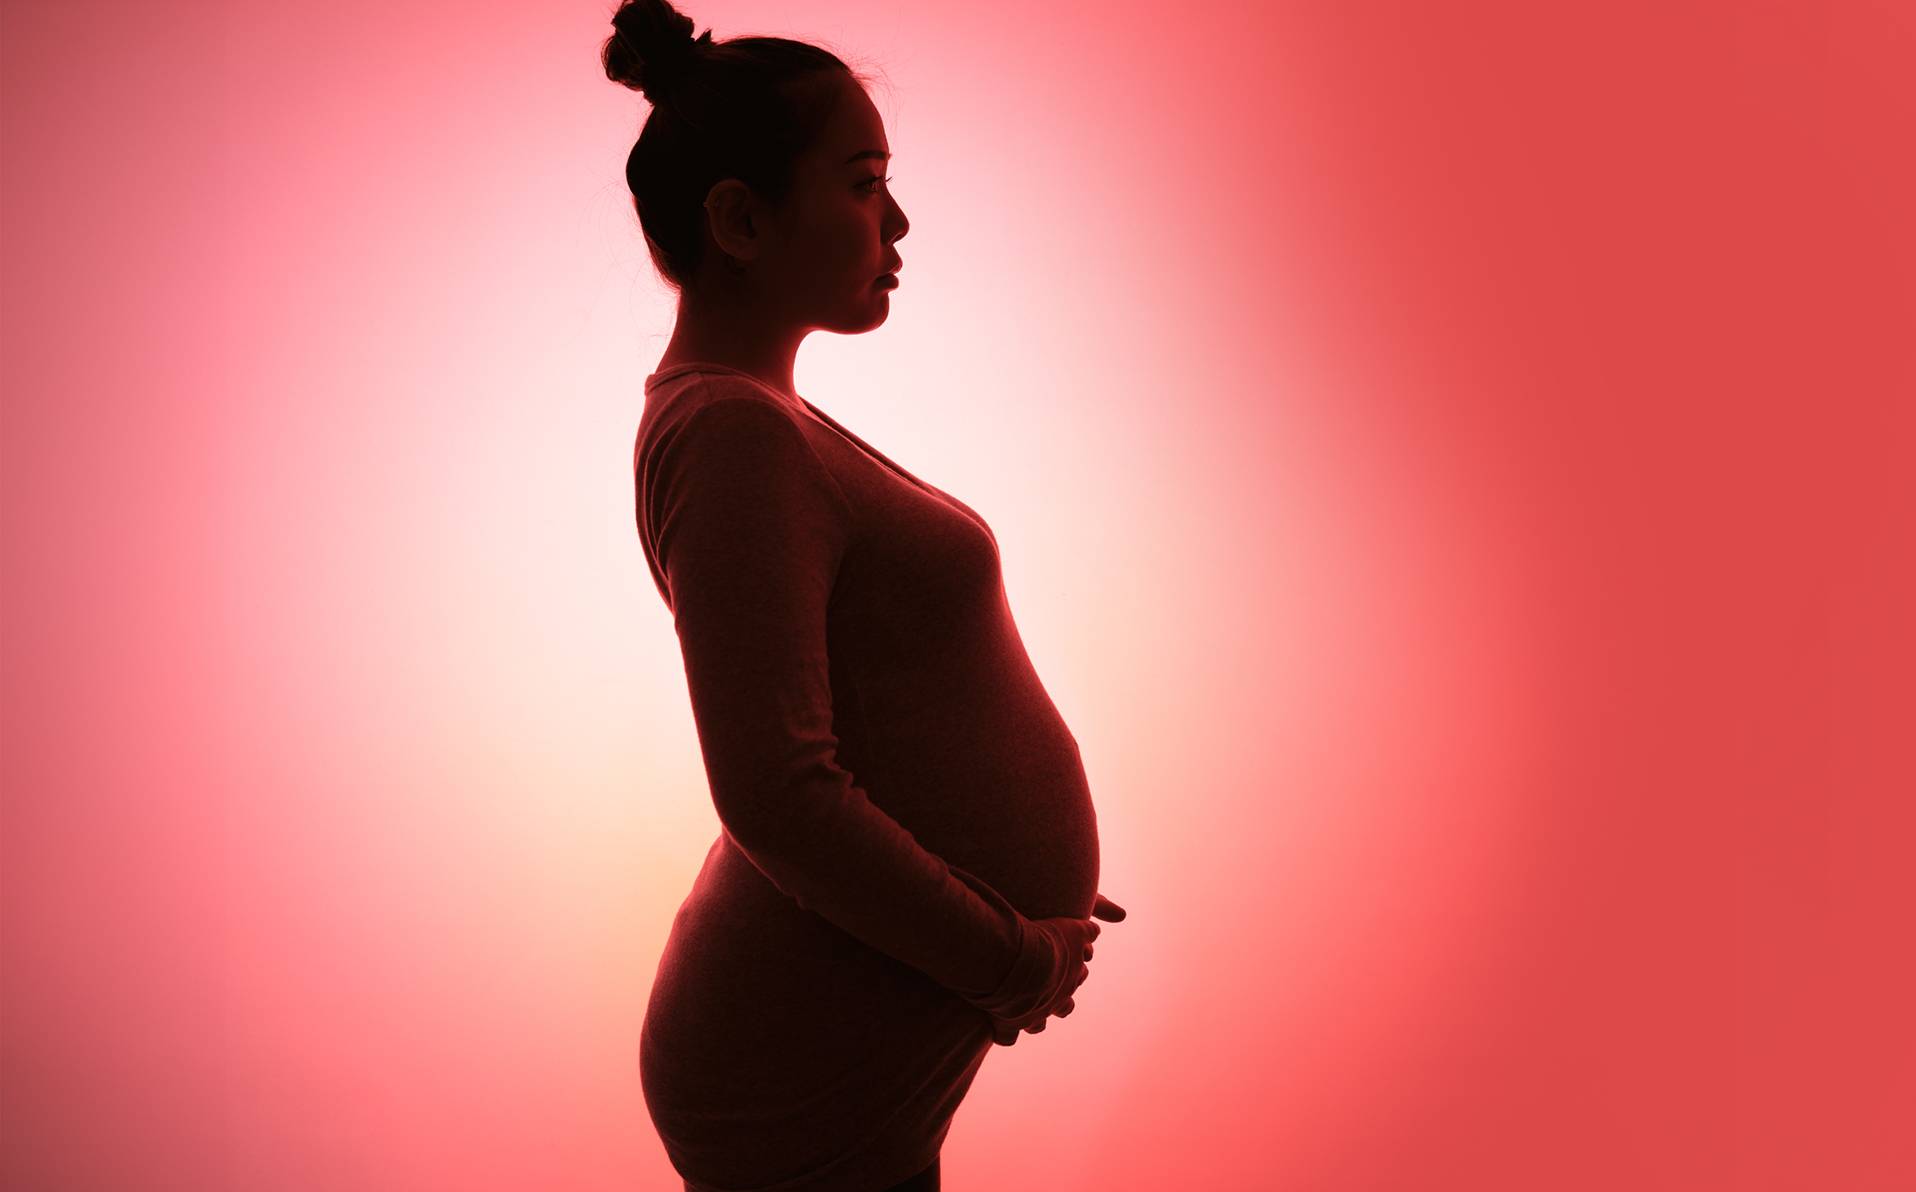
(1011, 804)
(1039, 848)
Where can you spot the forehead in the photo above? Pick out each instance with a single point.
(855, 126)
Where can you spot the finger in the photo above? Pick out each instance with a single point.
(1087, 951)
(1108, 910)
(1037, 1026)
(1070, 1004)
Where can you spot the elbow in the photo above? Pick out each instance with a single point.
(744, 813)
(761, 797)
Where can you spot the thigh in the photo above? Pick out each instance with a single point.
(924, 1181)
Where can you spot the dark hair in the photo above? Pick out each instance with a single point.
(744, 108)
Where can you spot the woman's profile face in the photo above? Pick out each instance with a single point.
(836, 231)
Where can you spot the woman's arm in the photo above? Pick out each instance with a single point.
(751, 528)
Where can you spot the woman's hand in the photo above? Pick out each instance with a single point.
(1079, 935)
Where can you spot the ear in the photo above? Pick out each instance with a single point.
(731, 215)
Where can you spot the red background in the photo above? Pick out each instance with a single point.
(1453, 469)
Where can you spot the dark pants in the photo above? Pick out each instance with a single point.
(924, 1181)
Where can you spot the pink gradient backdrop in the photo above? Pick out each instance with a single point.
(1453, 465)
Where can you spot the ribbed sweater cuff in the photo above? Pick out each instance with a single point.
(1034, 977)
(1031, 978)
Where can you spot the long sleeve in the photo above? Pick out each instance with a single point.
(750, 528)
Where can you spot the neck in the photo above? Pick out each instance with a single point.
(733, 334)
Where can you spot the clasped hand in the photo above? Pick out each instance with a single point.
(1079, 935)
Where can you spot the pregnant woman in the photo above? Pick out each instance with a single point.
(908, 861)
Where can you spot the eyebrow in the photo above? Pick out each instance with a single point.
(867, 153)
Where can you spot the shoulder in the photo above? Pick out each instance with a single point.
(714, 398)
(727, 418)
(731, 430)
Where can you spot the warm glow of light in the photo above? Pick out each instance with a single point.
(1452, 468)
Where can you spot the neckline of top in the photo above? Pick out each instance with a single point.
(666, 374)
(817, 414)
(787, 399)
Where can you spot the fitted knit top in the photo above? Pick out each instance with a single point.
(898, 796)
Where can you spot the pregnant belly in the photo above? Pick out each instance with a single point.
(755, 992)
(1013, 807)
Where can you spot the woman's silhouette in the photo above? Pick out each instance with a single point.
(908, 864)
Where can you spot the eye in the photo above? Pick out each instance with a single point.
(871, 181)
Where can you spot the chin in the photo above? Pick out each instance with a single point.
(872, 316)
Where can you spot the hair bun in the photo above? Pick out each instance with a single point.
(651, 47)
(666, 66)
